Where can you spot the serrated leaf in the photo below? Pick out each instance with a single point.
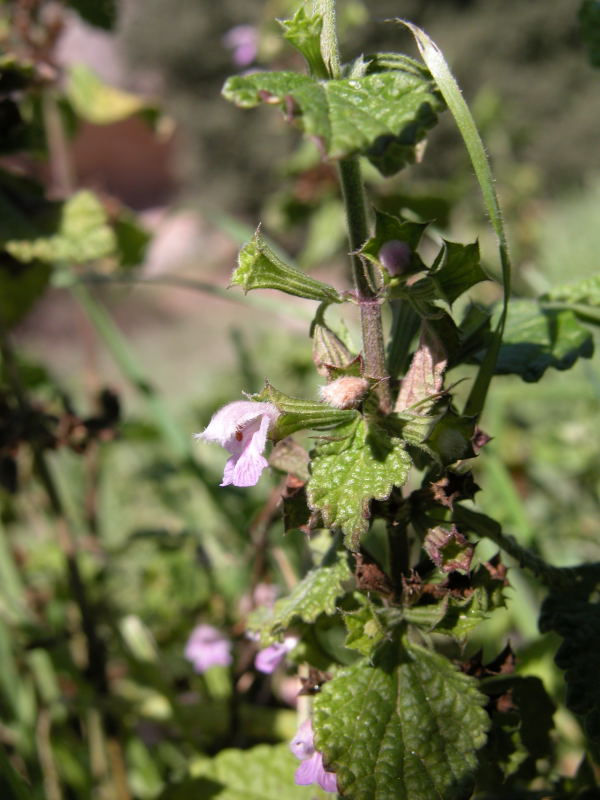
(382, 115)
(483, 596)
(316, 594)
(261, 773)
(538, 337)
(96, 101)
(360, 462)
(260, 268)
(297, 414)
(406, 729)
(82, 234)
(457, 269)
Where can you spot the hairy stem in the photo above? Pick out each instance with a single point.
(370, 309)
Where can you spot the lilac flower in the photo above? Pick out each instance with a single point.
(270, 658)
(242, 40)
(241, 428)
(207, 647)
(311, 770)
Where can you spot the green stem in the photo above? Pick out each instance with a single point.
(329, 43)
(374, 365)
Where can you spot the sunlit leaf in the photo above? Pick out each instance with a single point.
(401, 731)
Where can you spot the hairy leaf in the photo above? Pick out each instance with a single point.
(261, 773)
(382, 115)
(401, 731)
(259, 268)
(316, 594)
(360, 462)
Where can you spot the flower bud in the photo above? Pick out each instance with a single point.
(345, 392)
(395, 256)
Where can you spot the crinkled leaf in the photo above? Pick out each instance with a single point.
(382, 115)
(316, 594)
(538, 337)
(303, 31)
(297, 414)
(360, 462)
(261, 773)
(259, 268)
(401, 731)
(457, 269)
(82, 234)
(589, 19)
(96, 101)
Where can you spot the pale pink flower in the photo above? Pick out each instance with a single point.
(270, 658)
(241, 428)
(242, 40)
(311, 770)
(208, 647)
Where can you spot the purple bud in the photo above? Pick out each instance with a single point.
(395, 256)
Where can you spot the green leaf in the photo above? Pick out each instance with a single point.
(576, 617)
(406, 729)
(316, 594)
(537, 337)
(589, 19)
(360, 461)
(382, 115)
(82, 234)
(457, 269)
(483, 594)
(304, 33)
(96, 101)
(261, 773)
(259, 268)
(521, 722)
(582, 298)
(298, 415)
(101, 13)
(20, 286)
(365, 631)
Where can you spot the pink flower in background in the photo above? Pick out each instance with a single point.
(208, 647)
(311, 770)
(270, 658)
(241, 428)
(242, 40)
